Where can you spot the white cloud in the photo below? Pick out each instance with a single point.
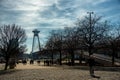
(80, 13)
(99, 1)
(57, 14)
(30, 28)
(27, 17)
(27, 5)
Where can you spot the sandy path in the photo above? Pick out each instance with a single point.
(35, 72)
(34, 66)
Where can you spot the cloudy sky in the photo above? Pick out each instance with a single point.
(47, 15)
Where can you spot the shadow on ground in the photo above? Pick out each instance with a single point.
(97, 68)
(2, 72)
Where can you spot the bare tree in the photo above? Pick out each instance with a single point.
(12, 38)
(58, 44)
(113, 38)
(71, 41)
(50, 46)
(55, 43)
(91, 30)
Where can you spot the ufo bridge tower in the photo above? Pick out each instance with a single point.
(35, 38)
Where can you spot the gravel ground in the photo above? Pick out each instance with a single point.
(35, 72)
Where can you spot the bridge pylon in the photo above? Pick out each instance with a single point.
(36, 36)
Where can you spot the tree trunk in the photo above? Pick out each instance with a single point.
(52, 57)
(90, 50)
(72, 58)
(80, 58)
(113, 57)
(6, 64)
(60, 61)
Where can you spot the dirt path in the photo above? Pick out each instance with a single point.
(40, 72)
(33, 66)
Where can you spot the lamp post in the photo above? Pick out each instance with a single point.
(90, 27)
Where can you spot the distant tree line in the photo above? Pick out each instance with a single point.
(90, 34)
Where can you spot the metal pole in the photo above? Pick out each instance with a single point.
(90, 13)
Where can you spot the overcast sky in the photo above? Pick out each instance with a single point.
(46, 15)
